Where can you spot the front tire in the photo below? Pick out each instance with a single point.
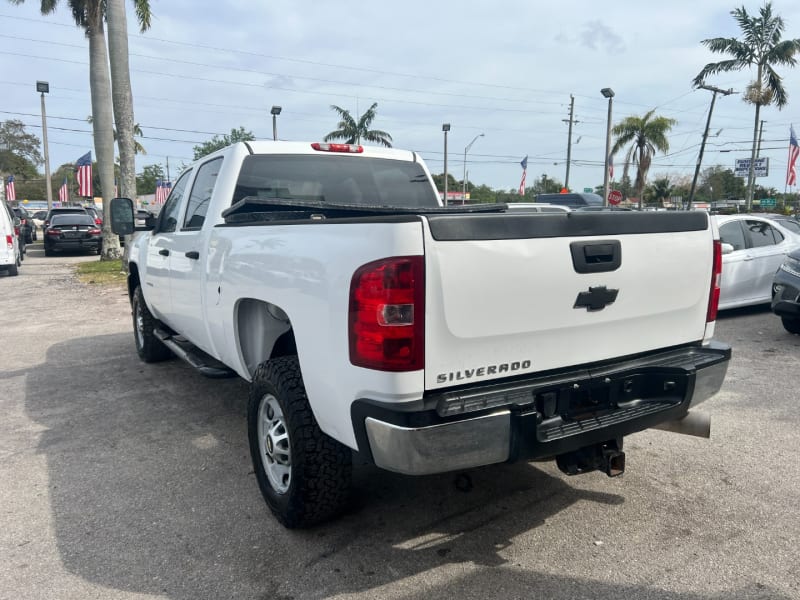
(148, 346)
(304, 475)
(791, 324)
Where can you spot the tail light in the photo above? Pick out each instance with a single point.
(716, 276)
(387, 314)
(95, 231)
(346, 148)
(53, 231)
(10, 242)
(98, 221)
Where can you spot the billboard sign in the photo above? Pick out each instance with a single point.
(742, 168)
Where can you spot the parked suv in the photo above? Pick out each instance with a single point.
(27, 227)
(571, 200)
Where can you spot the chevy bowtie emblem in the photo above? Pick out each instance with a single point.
(597, 298)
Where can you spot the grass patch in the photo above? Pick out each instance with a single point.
(101, 272)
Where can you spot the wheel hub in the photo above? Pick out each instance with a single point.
(274, 444)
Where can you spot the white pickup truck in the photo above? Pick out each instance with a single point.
(370, 319)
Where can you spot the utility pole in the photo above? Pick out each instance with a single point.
(569, 138)
(760, 133)
(715, 91)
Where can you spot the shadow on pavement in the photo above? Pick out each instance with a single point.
(152, 492)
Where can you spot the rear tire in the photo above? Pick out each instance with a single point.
(791, 324)
(148, 346)
(47, 251)
(13, 270)
(304, 475)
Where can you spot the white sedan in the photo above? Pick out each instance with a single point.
(753, 247)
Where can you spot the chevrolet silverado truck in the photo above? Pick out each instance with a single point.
(373, 322)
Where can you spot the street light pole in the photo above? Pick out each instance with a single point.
(445, 128)
(275, 111)
(464, 181)
(44, 88)
(607, 93)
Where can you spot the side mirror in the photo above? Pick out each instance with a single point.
(727, 248)
(122, 221)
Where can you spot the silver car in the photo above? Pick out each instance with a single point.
(753, 247)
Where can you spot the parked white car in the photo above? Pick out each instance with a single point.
(753, 248)
(10, 254)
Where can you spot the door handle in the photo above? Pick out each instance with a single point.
(164, 252)
(193, 254)
(748, 257)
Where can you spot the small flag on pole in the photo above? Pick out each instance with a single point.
(524, 164)
(83, 170)
(11, 193)
(63, 192)
(611, 166)
(163, 189)
(794, 151)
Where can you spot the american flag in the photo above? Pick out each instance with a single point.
(83, 175)
(163, 189)
(611, 166)
(794, 151)
(11, 193)
(524, 164)
(63, 192)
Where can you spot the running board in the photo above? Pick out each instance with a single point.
(185, 350)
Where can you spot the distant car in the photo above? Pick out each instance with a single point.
(599, 208)
(38, 218)
(571, 200)
(786, 292)
(72, 231)
(97, 215)
(27, 227)
(62, 210)
(753, 247)
(141, 217)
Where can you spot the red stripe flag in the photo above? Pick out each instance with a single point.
(83, 175)
(11, 192)
(524, 164)
(794, 151)
(611, 166)
(63, 192)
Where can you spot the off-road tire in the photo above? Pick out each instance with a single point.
(320, 468)
(791, 324)
(148, 346)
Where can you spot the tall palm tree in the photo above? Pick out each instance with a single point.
(353, 132)
(137, 132)
(760, 46)
(646, 135)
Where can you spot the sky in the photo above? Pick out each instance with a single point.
(502, 69)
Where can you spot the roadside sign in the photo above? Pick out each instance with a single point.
(767, 202)
(614, 197)
(742, 167)
(587, 190)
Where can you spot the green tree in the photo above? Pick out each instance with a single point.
(659, 191)
(353, 131)
(646, 135)
(17, 146)
(219, 142)
(146, 180)
(759, 46)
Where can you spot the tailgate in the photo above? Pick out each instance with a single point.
(510, 294)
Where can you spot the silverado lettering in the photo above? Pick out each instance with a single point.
(483, 371)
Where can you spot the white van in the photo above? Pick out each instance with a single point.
(10, 257)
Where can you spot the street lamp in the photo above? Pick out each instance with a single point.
(464, 192)
(275, 111)
(607, 93)
(445, 128)
(44, 88)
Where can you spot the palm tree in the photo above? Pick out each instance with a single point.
(137, 132)
(353, 132)
(646, 135)
(761, 47)
(90, 16)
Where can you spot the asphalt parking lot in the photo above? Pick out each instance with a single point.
(131, 481)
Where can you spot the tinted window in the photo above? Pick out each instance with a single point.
(762, 234)
(200, 197)
(335, 179)
(792, 226)
(72, 220)
(731, 233)
(169, 214)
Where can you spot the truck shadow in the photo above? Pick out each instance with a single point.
(152, 491)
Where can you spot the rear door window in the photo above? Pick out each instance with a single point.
(762, 234)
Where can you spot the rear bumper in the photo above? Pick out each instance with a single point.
(540, 417)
